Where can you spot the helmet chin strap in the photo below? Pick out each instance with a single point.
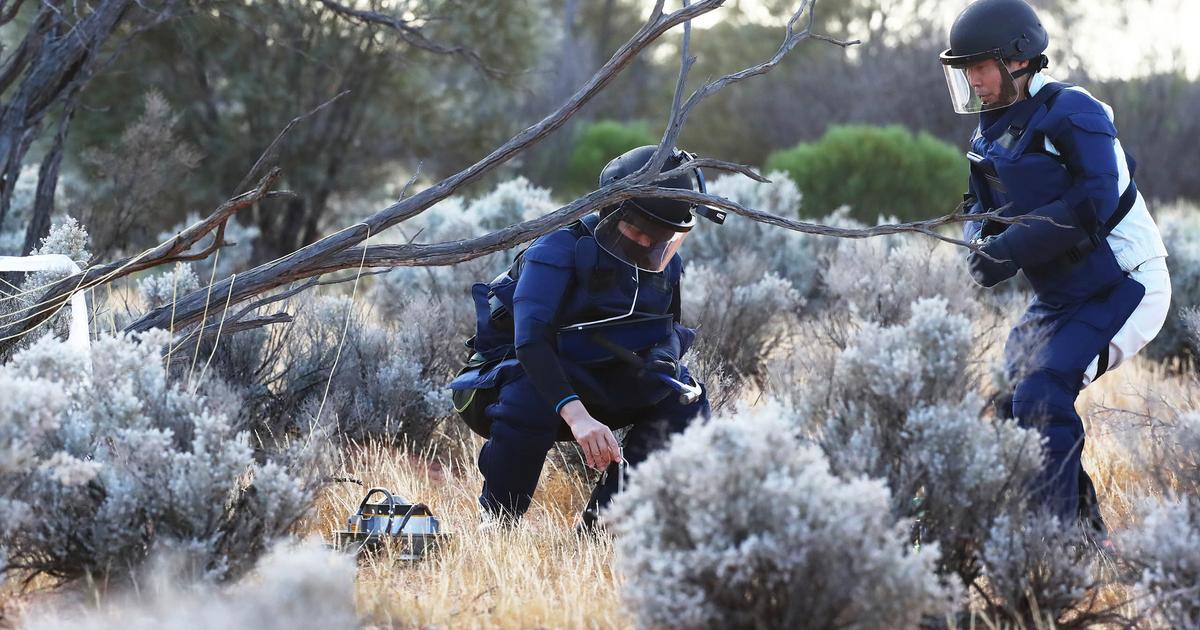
(1034, 66)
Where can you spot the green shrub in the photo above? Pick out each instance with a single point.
(596, 144)
(876, 171)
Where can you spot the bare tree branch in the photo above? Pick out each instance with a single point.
(454, 252)
(304, 261)
(411, 35)
(228, 327)
(296, 290)
(791, 39)
(49, 67)
(177, 249)
(667, 144)
(928, 227)
(269, 152)
(8, 13)
(680, 112)
(720, 165)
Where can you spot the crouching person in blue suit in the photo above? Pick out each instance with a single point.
(582, 336)
(1097, 264)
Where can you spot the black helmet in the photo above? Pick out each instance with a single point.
(671, 212)
(992, 31)
(645, 232)
(1002, 29)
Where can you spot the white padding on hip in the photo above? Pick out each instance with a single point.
(1145, 322)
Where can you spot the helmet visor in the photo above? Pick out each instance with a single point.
(979, 86)
(632, 237)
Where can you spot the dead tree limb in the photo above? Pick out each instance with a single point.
(307, 260)
(411, 35)
(48, 64)
(239, 322)
(680, 112)
(178, 249)
(454, 252)
(189, 339)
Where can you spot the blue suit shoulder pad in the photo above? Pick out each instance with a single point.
(556, 248)
(1075, 109)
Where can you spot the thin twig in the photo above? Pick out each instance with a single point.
(412, 35)
(271, 147)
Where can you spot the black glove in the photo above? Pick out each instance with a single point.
(662, 358)
(989, 273)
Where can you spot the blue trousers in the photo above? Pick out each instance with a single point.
(524, 428)
(1046, 355)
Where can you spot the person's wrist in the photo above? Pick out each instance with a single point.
(571, 410)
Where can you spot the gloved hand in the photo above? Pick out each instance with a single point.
(989, 273)
(661, 358)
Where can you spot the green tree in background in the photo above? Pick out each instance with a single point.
(238, 73)
(876, 171)
(598, 143)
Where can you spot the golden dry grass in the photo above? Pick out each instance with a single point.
(1119, 411)
(536, 575)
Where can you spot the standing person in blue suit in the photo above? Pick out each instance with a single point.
(582, 336)
(1096, 262)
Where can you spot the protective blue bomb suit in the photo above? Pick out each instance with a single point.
(1049, 150)
(562, 325)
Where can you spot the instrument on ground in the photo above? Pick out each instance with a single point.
(410, 525)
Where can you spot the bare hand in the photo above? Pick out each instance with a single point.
(599, 445)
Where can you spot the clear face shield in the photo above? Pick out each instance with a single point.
(979, 83)
(633, 237)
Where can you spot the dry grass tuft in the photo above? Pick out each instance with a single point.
(536, 575)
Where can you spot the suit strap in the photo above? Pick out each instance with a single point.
(1020, 113)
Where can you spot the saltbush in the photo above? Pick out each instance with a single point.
(766, 536)
(388, 380)
(107, 458)
(1040, 573)
(742, 316)
(1165, 549)
(295, 586)
(895, 404)
(791, 255)
(879, 279)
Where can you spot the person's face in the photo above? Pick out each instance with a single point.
(991, 82)
(631, 232)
